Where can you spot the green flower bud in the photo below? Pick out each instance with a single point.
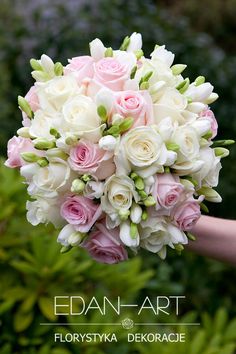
(56, 152)
(204, 207)
(143, 194)
(125, 43)
(199, 80)
(66, 249)
(29, 157)
(133, 175)
(212, 98)
(108, 52)
(139, 54)
(85, 178)
(179, 247)
(77, 186)
(223, 142)
(76, 238)
(183, 86)
(25, 107)
(71, 140)
(139, 183)
(208, 135)
(35, 65)
(167, 169)
(40, 76)
(44, 144)
(144, 216)
(124, 214)
(102, 112)
(221, 152)
(133, 72)
(210, 194)
(24, 132)
(42, 162)
(55, 133)
(191, 236)
(133, 230)
(172, 146)
(114, 130)
(177, 69)
(144, 85)
(150, 201)
(58, 69)
(126, 124)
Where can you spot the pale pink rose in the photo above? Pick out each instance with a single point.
(111, 73)
(15, 147)
(167, 190)
(80, 212)
(186, 214)
(209, 115)
(81, 67)
(137, 105)
(32, 98)
(89, 158)
(104, 246)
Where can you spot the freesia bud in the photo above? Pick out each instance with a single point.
(150, 201)
(139, 183)
(136, 213)
(133, 230)
(76, 238)
(58, 69)
(125, 235)
(102, 112)
(177, 69)
(135, 42)
(43, 144)
(25, 107)
(108, 143)
(200, 80)
(24, 132)
(35, 65)
(108, 52)
(97, 49)
(77, 186)
(221, 152)
(29, 156)
(210, 194)
(42, 162)
(126, 124)
(124, 214)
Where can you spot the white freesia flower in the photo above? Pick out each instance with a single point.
(135, 42)
(188, 141)
(43, 211)
(136, 213)
(48, 181)
(94, 189)
(199, 93)
(80, 118)
(97, 49)
(108, 143)
(163, 55)
(166, 128)
(201, 126)
(143, 150)
(105, 97)
(174, 99)
(208, 175)
(54, 93)
(126, 237)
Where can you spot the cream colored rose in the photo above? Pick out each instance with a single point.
(143, 150)
(54, 93)
(81, 118)
(50, 180)
(119, 193)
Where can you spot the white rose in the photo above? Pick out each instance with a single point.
(81, 118)
(54, 93)
(188, 141)
(50, 180)
(173, 98)
(43, 211)
(157, 234)
(41, 125)
(208, 175)
(143, 150)
(119, 193)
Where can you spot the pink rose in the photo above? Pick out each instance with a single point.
(32, 98)
(15, 147)
(81, 67)
(104, 246)
(111, 73)
(137, 105)
(80, 212)
(167, 190)
(187, 214)
(209, 115)
(87, 157)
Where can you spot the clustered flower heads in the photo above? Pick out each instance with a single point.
(116, 150)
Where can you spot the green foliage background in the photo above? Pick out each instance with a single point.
(32, 269)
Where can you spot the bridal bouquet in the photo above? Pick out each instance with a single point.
(116, 150)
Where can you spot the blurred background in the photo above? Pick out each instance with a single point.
(202, 35)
